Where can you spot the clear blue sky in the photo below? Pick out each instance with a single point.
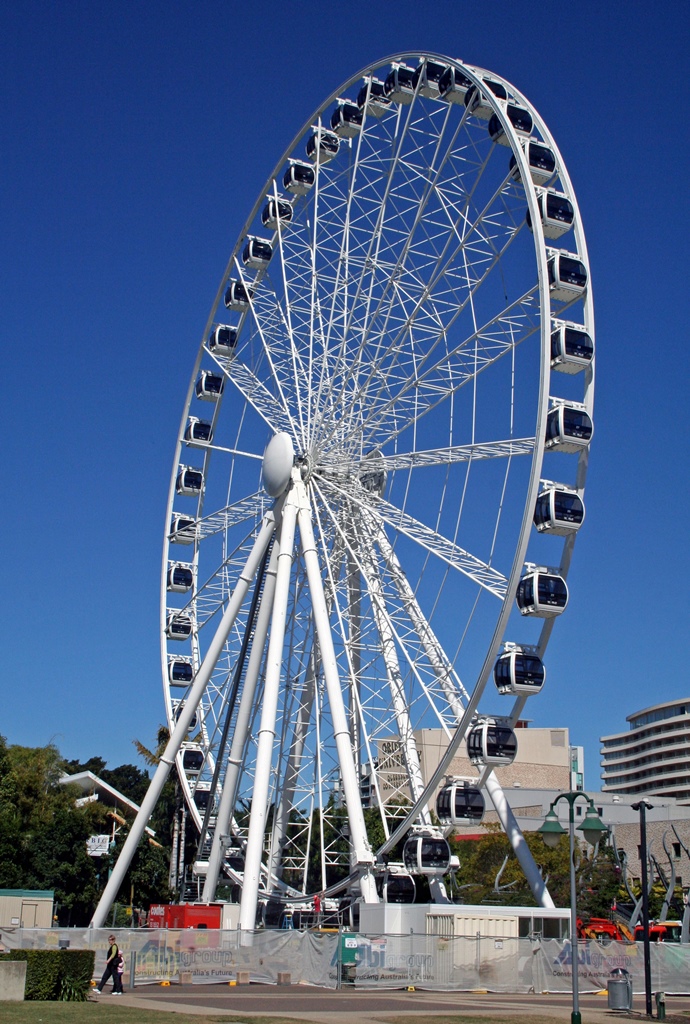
(136, 138)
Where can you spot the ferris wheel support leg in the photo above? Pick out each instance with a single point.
(180, 731)
(363, 855)
(267, 727)
(517, 841)
(229, 792)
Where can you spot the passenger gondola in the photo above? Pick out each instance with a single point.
(491, 742)
(372, 473)
(322, 146)
(398, 886)
(572, 349)
(542, 163)
(179, 626)
(257, 253)
(519, 117)
(569, 428)
(198, 431)
(542, 593)
(202, 796)
(178, 711)
(517, 671)
(559, 511)
(557, 214)
(190, 481)
(567, 275)
(372, 97)
(180, 578)
(459, 802)
(238, 296)
(299, 178)
(425, 854)
(222, 340)
(180, 672)
(209, 386)
(453, 85)
(427, 77)
(399, 84)
(192, 760)
(182, 529)
(346, 119)
(276, 211)
(477, 103)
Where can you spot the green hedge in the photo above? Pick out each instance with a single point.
(56, 973)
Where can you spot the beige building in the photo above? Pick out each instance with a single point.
(544, 761)
(26, 908)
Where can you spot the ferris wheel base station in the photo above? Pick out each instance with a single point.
(453, 920)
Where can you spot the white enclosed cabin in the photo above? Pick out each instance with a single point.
(569, 428)
(572, 349)
(178, 711)
(276, 211)
(460, 802)
(427, 78)
(202, 795)
(556, 211)
(476, 101)
(257, 252)
(453, 85)
(559, 511)
(299, 177)
(396, 885)
(517, 671)
(567, 275)
(180, 577)
(190, 481)
(209, 386)
(542, 594)
(322, 146)
(238, 296)
(192, 759)
(182, 529)
(491, 742)
(180, 672)
(198, 432)
(346, 119)
(179, 626)
(426, 855)
(399, 84)
(372, 98)
(222, 340)
(541, 160)
(519, 117)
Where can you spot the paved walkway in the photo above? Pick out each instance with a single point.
(322, 1006)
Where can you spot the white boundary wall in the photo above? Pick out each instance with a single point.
(325, 959)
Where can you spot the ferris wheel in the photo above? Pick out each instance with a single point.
(378, 479)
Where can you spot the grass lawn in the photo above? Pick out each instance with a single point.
(35, 1012)
(100, 1013)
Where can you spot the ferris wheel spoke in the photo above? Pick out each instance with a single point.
(394, 274)
(388, 416)
(459, 453)
(260, 398)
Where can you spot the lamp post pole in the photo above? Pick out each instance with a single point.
(592, 829)
(642, 808)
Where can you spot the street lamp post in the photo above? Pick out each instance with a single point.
(592, 829)
(642, 806)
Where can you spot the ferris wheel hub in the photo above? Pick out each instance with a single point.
(277, 464)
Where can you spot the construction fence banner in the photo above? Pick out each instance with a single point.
(332, 959)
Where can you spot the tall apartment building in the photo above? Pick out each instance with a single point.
(653, 756)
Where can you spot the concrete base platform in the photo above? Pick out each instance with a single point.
(12, 980)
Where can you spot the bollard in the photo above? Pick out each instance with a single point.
(660, 998)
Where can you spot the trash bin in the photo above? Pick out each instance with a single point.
(619, 989)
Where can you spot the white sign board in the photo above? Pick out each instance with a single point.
(97, 846)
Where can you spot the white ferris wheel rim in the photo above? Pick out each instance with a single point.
(296, 412)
